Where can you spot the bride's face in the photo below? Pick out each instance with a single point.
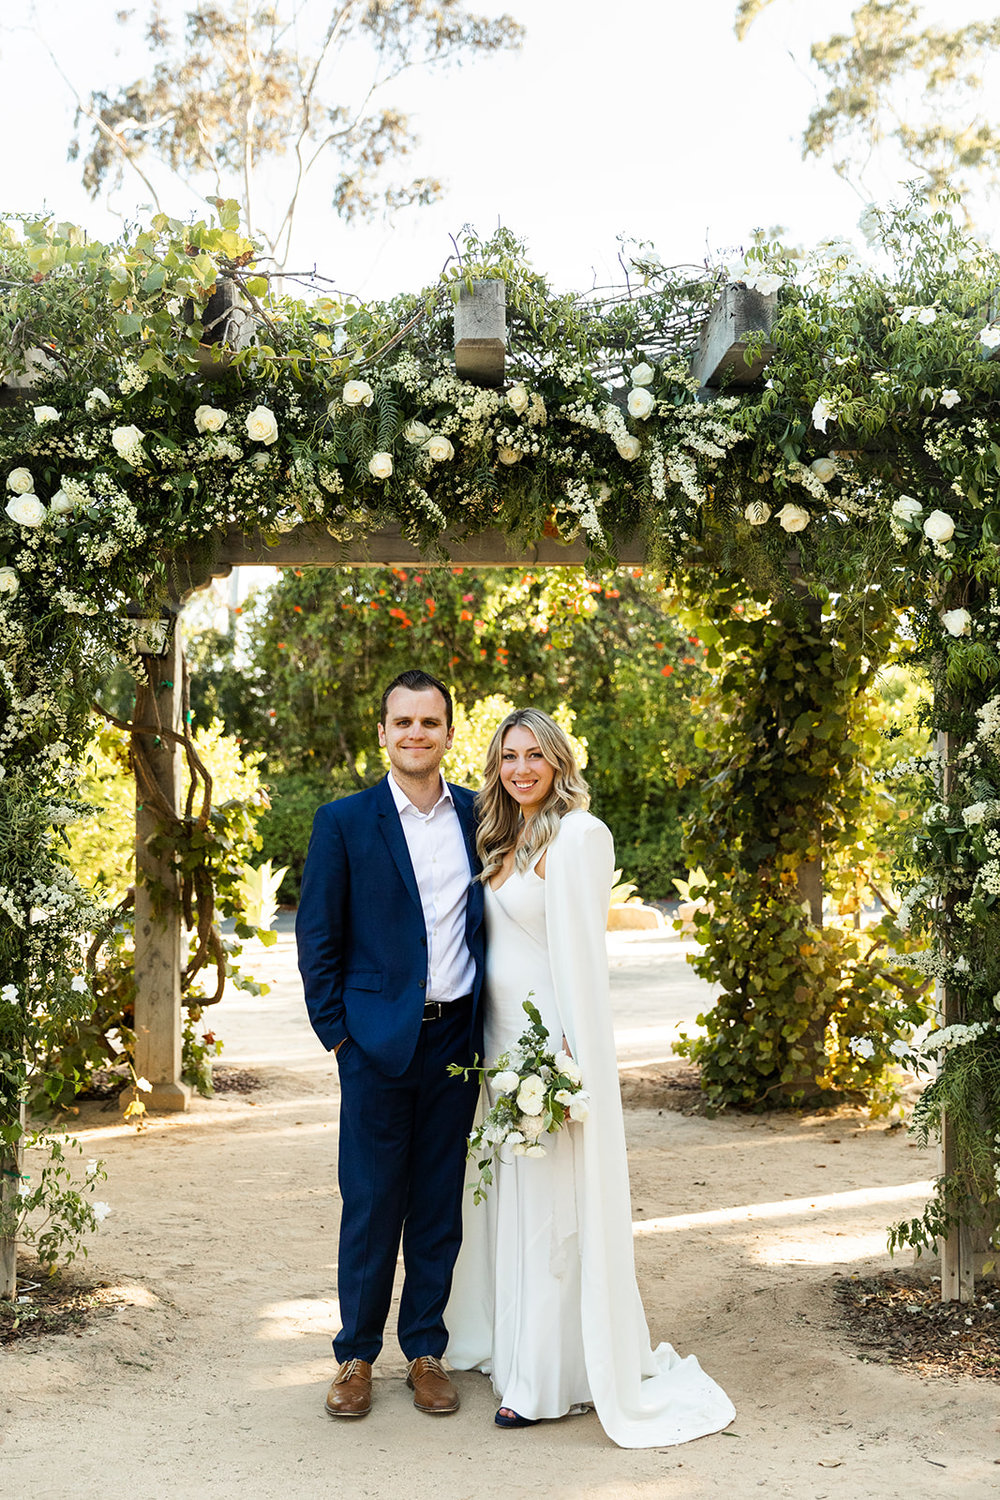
(525, 774)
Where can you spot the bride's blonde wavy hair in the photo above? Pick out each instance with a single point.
(498, 815)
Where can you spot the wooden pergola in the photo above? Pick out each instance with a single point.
(480, 341)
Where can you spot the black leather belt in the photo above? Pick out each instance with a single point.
(435, 1009)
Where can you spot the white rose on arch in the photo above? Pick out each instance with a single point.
(358, 393)
(822, 413)
(629, 447)
(518, 399)
(26, 510)
(20, 481)
(825, 469)
(380, 465)
(508, 455)
(127, 442)
(643, 374)
(939, 527)
(416, 433)
(907, 509)
(757, 513)
(60, 504)
(262, 426)
(957, 621)
(45, 414)
(9, 581)
(641, 403)
(792, 518)
(439, 447)
(210, 419)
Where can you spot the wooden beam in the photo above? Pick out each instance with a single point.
(312, 546)
(159, 703)
(481, 332)
(720, 357)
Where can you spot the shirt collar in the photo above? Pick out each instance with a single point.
(403, 803)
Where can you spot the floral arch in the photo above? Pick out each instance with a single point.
(168, 413)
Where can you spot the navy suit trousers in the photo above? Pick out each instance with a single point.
(401, 1169)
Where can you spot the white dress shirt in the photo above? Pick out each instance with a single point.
(441, 866)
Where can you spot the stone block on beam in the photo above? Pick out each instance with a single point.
(721, 354)
(481, 332)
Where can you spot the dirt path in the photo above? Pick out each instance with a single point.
(209, 1380)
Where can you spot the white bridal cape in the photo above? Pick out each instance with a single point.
(545, 1297)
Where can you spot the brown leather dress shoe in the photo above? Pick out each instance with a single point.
(350, 1393)
(432, 1390)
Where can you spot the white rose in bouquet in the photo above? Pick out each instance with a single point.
(792, 518)
(518, 399)
(629, 447)
(45, 414)
(643, 374)
(532, 1126)
(757, 513)
(579, 1107)
(9, 582)
(380, 465)
(906, 508)
(531, 1095)
(416, 433)
(26, 510)
(20, 481)
(439, 447)
(567, 1066)
(535, 1150)
(506, 1082)
(262, 426)
(824, 469)
(641, 403)
(210, 419)
(358, 393)
(957, 621)
(939, 526)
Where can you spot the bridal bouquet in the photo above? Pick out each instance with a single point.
(537, 1092)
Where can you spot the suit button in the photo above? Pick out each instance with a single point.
(422, 984)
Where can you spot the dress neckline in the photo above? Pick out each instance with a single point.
(521, 875)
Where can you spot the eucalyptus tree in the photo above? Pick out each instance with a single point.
(260, 102)
(894, 79)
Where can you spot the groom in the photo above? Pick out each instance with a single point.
(390, 939)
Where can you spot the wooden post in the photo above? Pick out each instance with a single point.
(11, 1168)
(958, 1274)
(159, 704)
(809, 875)
(481, 332)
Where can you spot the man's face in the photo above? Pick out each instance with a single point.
(415, 733)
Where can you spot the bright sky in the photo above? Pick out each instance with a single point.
(646, 119)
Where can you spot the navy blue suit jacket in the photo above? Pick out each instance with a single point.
(360, 928)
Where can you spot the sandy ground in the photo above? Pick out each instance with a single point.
(209, 1380)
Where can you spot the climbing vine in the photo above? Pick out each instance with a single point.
(873, 442)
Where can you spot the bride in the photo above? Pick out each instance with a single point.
(545, 1298)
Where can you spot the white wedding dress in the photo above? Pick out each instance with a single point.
(545, 1298)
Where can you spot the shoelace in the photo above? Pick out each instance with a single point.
(349, 1369)
(431, 1363)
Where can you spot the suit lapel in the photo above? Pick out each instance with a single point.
(392, 831)
(467, 823)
